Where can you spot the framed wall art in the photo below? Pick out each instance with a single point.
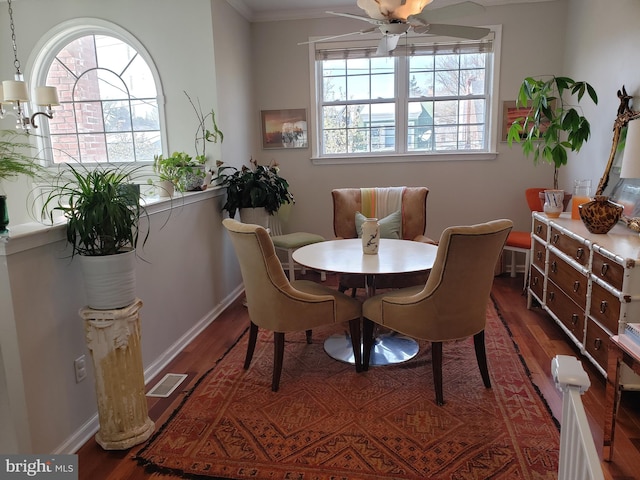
(509, 114)
(284, 128)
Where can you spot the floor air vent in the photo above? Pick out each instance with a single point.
(167, 385)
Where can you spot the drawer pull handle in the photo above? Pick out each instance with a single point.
(539, 255)
(580, 253)
(534, 281)
(574, 319)
(554, 267)
(576, 286)
(552, 296)
(538, 229)
(603, 306)
(604, 269)
(556, 237)
(597, 344)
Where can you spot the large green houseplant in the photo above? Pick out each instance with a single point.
(103, 214)
(258, 186)
(553, 125)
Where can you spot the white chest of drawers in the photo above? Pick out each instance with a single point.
(588, 283)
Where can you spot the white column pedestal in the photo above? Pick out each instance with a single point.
(113, 337)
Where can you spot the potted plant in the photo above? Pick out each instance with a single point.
(14, 161)
(255, 187)
(183, 171)
(553, 126)
(103, 216)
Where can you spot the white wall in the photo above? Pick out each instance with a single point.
(601, 47)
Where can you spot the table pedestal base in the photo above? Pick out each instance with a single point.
(388, 348)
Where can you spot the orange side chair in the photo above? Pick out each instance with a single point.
(520, 242)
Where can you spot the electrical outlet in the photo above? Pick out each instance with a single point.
(80, 366)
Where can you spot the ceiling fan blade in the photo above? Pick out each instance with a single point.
(447, 13)
(457, 31)
(387, 44)
(360, 32)
(357, 17)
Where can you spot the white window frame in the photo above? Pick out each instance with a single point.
(57, 38)
(492, 131)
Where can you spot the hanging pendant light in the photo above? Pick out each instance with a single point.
(14, 94)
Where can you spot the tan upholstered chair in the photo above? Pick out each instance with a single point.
(348, 201)
(452, 304)
(281, 306)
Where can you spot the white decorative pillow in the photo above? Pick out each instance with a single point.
(390, 226)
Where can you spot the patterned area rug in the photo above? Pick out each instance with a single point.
(327, 422)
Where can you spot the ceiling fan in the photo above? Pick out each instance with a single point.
(395, 18)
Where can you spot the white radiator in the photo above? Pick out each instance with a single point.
(578, 456)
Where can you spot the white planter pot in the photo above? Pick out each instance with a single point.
(110, 280)
(257, 216)
(165, 188)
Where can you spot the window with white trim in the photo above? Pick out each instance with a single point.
(109, 98)
(431, 96)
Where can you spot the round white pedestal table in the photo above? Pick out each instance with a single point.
(393, 257)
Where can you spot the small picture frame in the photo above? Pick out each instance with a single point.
(284, 128)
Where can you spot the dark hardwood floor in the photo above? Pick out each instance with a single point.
(537, 336)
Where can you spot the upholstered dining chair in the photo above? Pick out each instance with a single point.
(452, 304)
(520, 241)
(402, 210)
(281, 306)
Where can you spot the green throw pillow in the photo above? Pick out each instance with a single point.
(389, 226)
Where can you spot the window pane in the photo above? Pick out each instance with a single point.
(473, 60)
(358, 87)
(120, 147)
(334, 142)
(358, 140)
(79, 55)
(358, 66)
(88, 117)
(117, 116)
(335, 89)
(147, 145)
(65, 148)
(471, 137)
(446, 83)
(421, 84)
(471, 111)
(446, 138)
(472, 82)
(382, 86)
(111, 86)
(334, 67)
(145, 115)
(139, 79)
(113, 54)
(357, 115)
(422, 62)
(383, 65)
(445, 113)
(334, 117)
(93, 148)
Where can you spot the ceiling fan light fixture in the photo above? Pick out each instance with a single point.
(392, 9)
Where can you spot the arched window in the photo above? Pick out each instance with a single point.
(109, 96)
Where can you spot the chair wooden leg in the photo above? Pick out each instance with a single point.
(356, 342)
(278, 356)
(367, 342)
(251, 346)
(308, 333)
(436, 360)
(481, 357)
